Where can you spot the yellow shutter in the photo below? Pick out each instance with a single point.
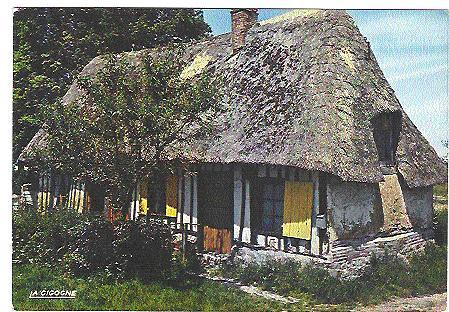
(298, 197)
(143, 200)
(287, 209)
(171, 196)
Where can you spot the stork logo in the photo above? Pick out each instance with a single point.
(53, 294)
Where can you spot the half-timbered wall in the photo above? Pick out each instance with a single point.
(298, 191)
(55, 192)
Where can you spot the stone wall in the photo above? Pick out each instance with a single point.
(348, 259)
(245, 256)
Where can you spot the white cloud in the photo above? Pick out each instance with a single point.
(412, 60)
(406, 28)
(417, 73)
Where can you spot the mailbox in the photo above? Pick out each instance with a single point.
(321, 221)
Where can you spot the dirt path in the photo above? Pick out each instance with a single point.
(251, 289)
(429, 303)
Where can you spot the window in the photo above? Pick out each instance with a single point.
(273, 207)
(161, 200)
(386, 128)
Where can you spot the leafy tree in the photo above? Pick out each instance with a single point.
(51, 45)
(132, 123)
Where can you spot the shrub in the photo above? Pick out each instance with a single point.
(45, 238)
(141, 249)
(92, 251)
(440, 226)
(125, 249)
(429, 269)
(440, 190)
(86, 245)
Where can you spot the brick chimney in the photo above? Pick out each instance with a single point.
(242, 21)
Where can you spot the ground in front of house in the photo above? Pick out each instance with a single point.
(96, 294)
(190, 294)
(436, 302)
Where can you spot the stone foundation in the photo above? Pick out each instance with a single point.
(348, 259)
(246, 256)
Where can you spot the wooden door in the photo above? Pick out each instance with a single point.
(298, 198)
(216, 202)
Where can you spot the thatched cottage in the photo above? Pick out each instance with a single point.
(314, 153)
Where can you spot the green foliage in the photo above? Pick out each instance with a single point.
(142, 250)
(93, 249)
(440, 225)
(388, 276)
(89, 245)
(133, 121)
(51, 45)
(96, 293)
(440, 190)
(46, 238)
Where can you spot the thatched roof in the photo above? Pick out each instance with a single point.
(302, 92)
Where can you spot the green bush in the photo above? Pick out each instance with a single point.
(92, 252)
(440, 190)
(440, 226)
(141, 249)
(86, 245)
(124, 250)
(45, 238)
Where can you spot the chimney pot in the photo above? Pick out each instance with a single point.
(242, 21)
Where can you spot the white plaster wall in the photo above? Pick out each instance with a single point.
(355, 209)
(237, 200)
(419, 203)
(187, 198)
(352, 208)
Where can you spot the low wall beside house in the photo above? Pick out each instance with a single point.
(348, 259)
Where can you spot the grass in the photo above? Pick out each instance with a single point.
(100, 294)
(388, 277)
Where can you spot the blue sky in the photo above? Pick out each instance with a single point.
(411, 47)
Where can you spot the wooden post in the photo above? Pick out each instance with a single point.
(136, 198)
(52, 192)
(39, 190)
(242, 209)
(45, 188)
(199, 237)
(72, 197)
(315, 239)
(78, 190)
(49, 190)
(65, 204)
(238, 190)
(182, 200)
(184, 240)
(69, 189)
(83, 187)
(191, 200)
